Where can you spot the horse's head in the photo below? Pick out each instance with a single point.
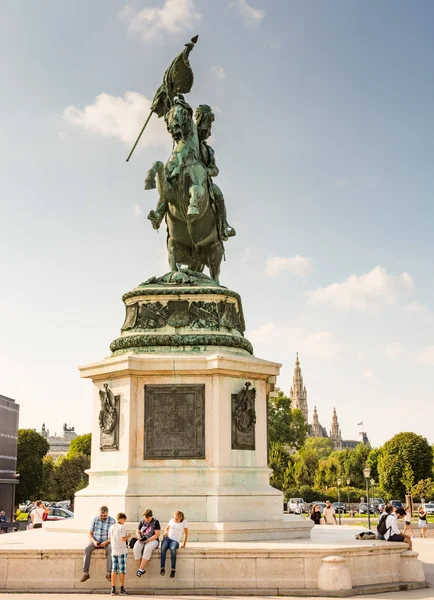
(179, 120)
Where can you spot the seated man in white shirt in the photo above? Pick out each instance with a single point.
(393, 534)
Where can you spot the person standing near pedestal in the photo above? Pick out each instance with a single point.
(98, 535)
(148, 534)
(172, 535)
(37, 514)
(118, 537)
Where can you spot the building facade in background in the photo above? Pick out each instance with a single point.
(59, 444)
(298, 395)
(9, 418)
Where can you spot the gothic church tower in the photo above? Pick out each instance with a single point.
(335, 432)
(298, 393)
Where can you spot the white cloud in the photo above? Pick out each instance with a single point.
(415, 308)
(320, 345)
(62, 136)
(245, 257)
(369, 374)
(340, 182)
(393, 350)
(219, 72)
(249, 14)
(297, 265)
(121, 118)
(136, 210)
(426, 356)
(173, 17)
(369, 292)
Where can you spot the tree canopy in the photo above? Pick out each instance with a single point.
(32, 447)
(80, 445)
(404, 450)
(285, 426)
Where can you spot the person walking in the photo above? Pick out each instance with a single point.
(329, 514)
(98, 536)
(37, 514)
(172, 536)
(148, 539)
(408, 529)
(423, 522)
(118, 537)
(315, 514)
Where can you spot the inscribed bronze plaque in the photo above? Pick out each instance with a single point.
(174, 421)
(243, 418)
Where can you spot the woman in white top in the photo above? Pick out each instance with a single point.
(37, 514)
(171, 538)
(408, 529)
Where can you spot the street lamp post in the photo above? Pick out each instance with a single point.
(373, 493)
(339, 499)
(366, 473)
(348, 496)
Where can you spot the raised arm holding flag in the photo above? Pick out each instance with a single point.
(178, 79)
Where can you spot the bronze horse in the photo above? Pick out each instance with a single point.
(184, 188)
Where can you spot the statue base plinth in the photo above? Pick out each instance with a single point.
(177, 448)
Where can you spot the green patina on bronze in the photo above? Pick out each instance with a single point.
(191, 204)
(136, 342)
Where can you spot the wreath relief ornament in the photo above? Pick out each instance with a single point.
(107, 415)
(245, 414)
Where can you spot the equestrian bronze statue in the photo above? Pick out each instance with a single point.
(191, 204)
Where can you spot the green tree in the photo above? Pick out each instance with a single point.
(47, 486)
(278, 461)
(285, 426)
(32, 447)
(423, 489)
(403, 449)
(70, 476)
(407, 478)
(306, 461)
(80, 445)
(372, 463)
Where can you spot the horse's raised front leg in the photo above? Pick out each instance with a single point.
(151, 174)
(156, 178)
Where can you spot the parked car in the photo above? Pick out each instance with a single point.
(429, 508)
(339, 507)
(59, 514)
(377, 502)
(63, 504)
(396, 503)
(293, 503)
(363, 509)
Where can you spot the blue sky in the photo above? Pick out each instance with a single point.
(324, 140)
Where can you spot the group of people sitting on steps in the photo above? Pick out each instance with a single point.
(110, 535)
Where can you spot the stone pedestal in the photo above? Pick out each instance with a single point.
(180, 416)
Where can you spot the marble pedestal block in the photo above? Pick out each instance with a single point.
(174, 443)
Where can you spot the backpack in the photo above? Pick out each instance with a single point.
(381, 527)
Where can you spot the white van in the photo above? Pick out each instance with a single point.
(293, 508)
